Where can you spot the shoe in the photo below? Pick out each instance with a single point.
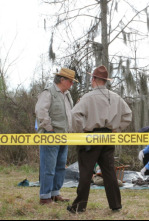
(117, 209)
(72, 210)
(59, 199)
(46, 201)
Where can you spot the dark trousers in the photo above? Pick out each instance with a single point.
(104, 156)
(146, 160)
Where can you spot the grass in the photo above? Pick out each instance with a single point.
(17, 203)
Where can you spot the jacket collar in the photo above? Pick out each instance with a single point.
(100, 86)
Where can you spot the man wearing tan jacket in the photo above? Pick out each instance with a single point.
(53, 112)
(99, 111)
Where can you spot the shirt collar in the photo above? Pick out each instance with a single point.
(100, 87)
(58, 90)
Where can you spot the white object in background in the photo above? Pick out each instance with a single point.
(143, 171)
(141, 156)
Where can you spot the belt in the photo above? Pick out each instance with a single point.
(96, 130)
(101, 130)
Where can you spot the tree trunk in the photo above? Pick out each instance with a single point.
(87, 70)
(104, 37)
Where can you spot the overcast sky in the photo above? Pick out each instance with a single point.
(22, 25)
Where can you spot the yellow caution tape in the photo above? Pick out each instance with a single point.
(75, 139)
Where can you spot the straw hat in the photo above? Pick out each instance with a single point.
(67, 73)
(101, 72)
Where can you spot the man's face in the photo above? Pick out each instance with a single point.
(67, 83)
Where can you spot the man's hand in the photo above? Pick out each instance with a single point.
(141, 156)
(114, 131)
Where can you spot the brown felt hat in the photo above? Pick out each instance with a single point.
(101, 72)
(67, 73)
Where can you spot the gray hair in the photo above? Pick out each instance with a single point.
(57, 79)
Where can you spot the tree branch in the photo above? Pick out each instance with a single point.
(78, 9)
(55, 2)
(128, 24)
(74, 17)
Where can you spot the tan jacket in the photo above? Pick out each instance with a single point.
(101, 108)
(48, 113)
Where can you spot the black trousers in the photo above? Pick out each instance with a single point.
(104, 156)
(146, 160)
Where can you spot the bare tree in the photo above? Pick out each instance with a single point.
(111, 26)
(108, 32)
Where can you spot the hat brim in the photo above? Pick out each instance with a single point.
(107, 79)
(66, 77)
